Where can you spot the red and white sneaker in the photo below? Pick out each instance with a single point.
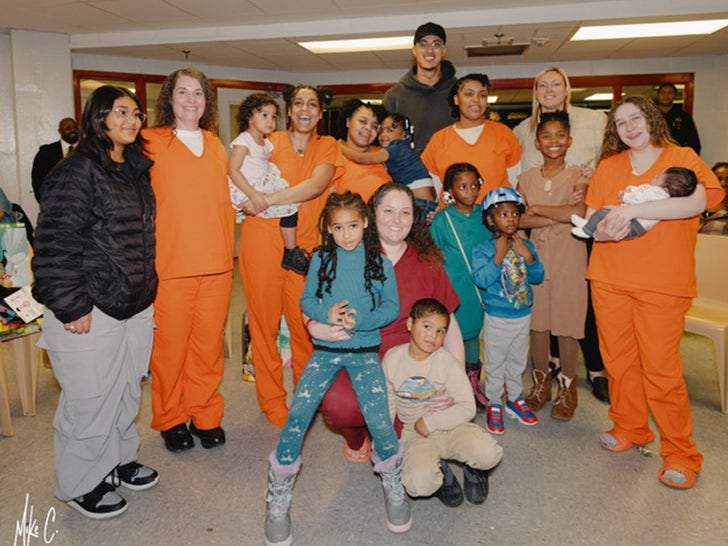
(518, 409)
(494, 419)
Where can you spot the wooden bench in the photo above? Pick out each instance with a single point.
(708, 315)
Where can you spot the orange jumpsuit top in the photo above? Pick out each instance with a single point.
(195, 219)
(496, 150)
(358, 178)
(663, 259)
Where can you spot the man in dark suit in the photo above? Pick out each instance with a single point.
(49, 155)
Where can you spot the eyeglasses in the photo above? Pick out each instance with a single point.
(130, 114)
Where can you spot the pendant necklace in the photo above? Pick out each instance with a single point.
(298, 150)
(547, 183)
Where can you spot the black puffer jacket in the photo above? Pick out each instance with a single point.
(95, 241)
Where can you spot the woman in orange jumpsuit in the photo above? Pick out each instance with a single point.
(643, 287)
(307, 162)
(195, 239)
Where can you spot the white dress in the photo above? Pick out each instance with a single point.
(261, 174)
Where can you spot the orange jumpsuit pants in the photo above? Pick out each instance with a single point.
(639, 336)
(187, 358)
(271, 292)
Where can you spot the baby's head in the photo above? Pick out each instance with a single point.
(427, 324)
(676, 181)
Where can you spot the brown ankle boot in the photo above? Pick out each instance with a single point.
(541, 390)
(566, 399)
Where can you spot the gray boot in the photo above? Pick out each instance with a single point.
(396, 502)
(278, 501)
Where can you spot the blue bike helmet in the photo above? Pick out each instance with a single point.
(504, 194)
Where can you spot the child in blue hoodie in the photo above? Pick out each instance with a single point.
(505, 266)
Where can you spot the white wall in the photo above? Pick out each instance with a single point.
(36, 84)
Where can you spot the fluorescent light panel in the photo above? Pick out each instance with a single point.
(360, 44)
(649, 30)
(600, 96)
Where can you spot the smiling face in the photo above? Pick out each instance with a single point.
(122, 127)
(472, 101)
(553, 140)
(347, 227)
(429, 52)
(69, 131)
(389, 130)
(304, 111)
(394, 216)
(188, 103)
(551, 92)
(427, 334)
(362, 128)
(632, 127)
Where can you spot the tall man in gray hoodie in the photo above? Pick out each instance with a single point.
(421, 94)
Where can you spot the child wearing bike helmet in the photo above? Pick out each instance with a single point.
(505, 266)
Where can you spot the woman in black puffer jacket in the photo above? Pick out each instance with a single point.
(94, 272)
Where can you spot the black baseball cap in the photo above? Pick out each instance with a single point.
(430, 29)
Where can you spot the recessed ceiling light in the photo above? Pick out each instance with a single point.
(649, 30)
(600, 96)
(361, 44)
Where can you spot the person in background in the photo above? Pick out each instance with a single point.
(715, 220)
(458, 229)
(421, 93)
(552, 93)
(94, 272)
(415, 371)
(488, 145)
(49, 155)
(195, 237)
(681, 124)
(640, 305)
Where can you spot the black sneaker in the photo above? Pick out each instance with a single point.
(450, 492)
(134, 476)
(101, 503)
(296, 260)
(475, 484)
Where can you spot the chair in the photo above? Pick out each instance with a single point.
(708, 315)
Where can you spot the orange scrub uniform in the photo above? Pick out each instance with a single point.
(496, 150)
(195, 238)
(641, 290)
(271, 290)
(358, 178)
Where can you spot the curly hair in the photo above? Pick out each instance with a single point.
(458, 85)
(656, 126)
(456, 169)
(419, 234)
(252, 104)
(373, 264)
(165, 115)
(536, 107)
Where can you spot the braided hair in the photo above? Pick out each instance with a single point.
(373, 264)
